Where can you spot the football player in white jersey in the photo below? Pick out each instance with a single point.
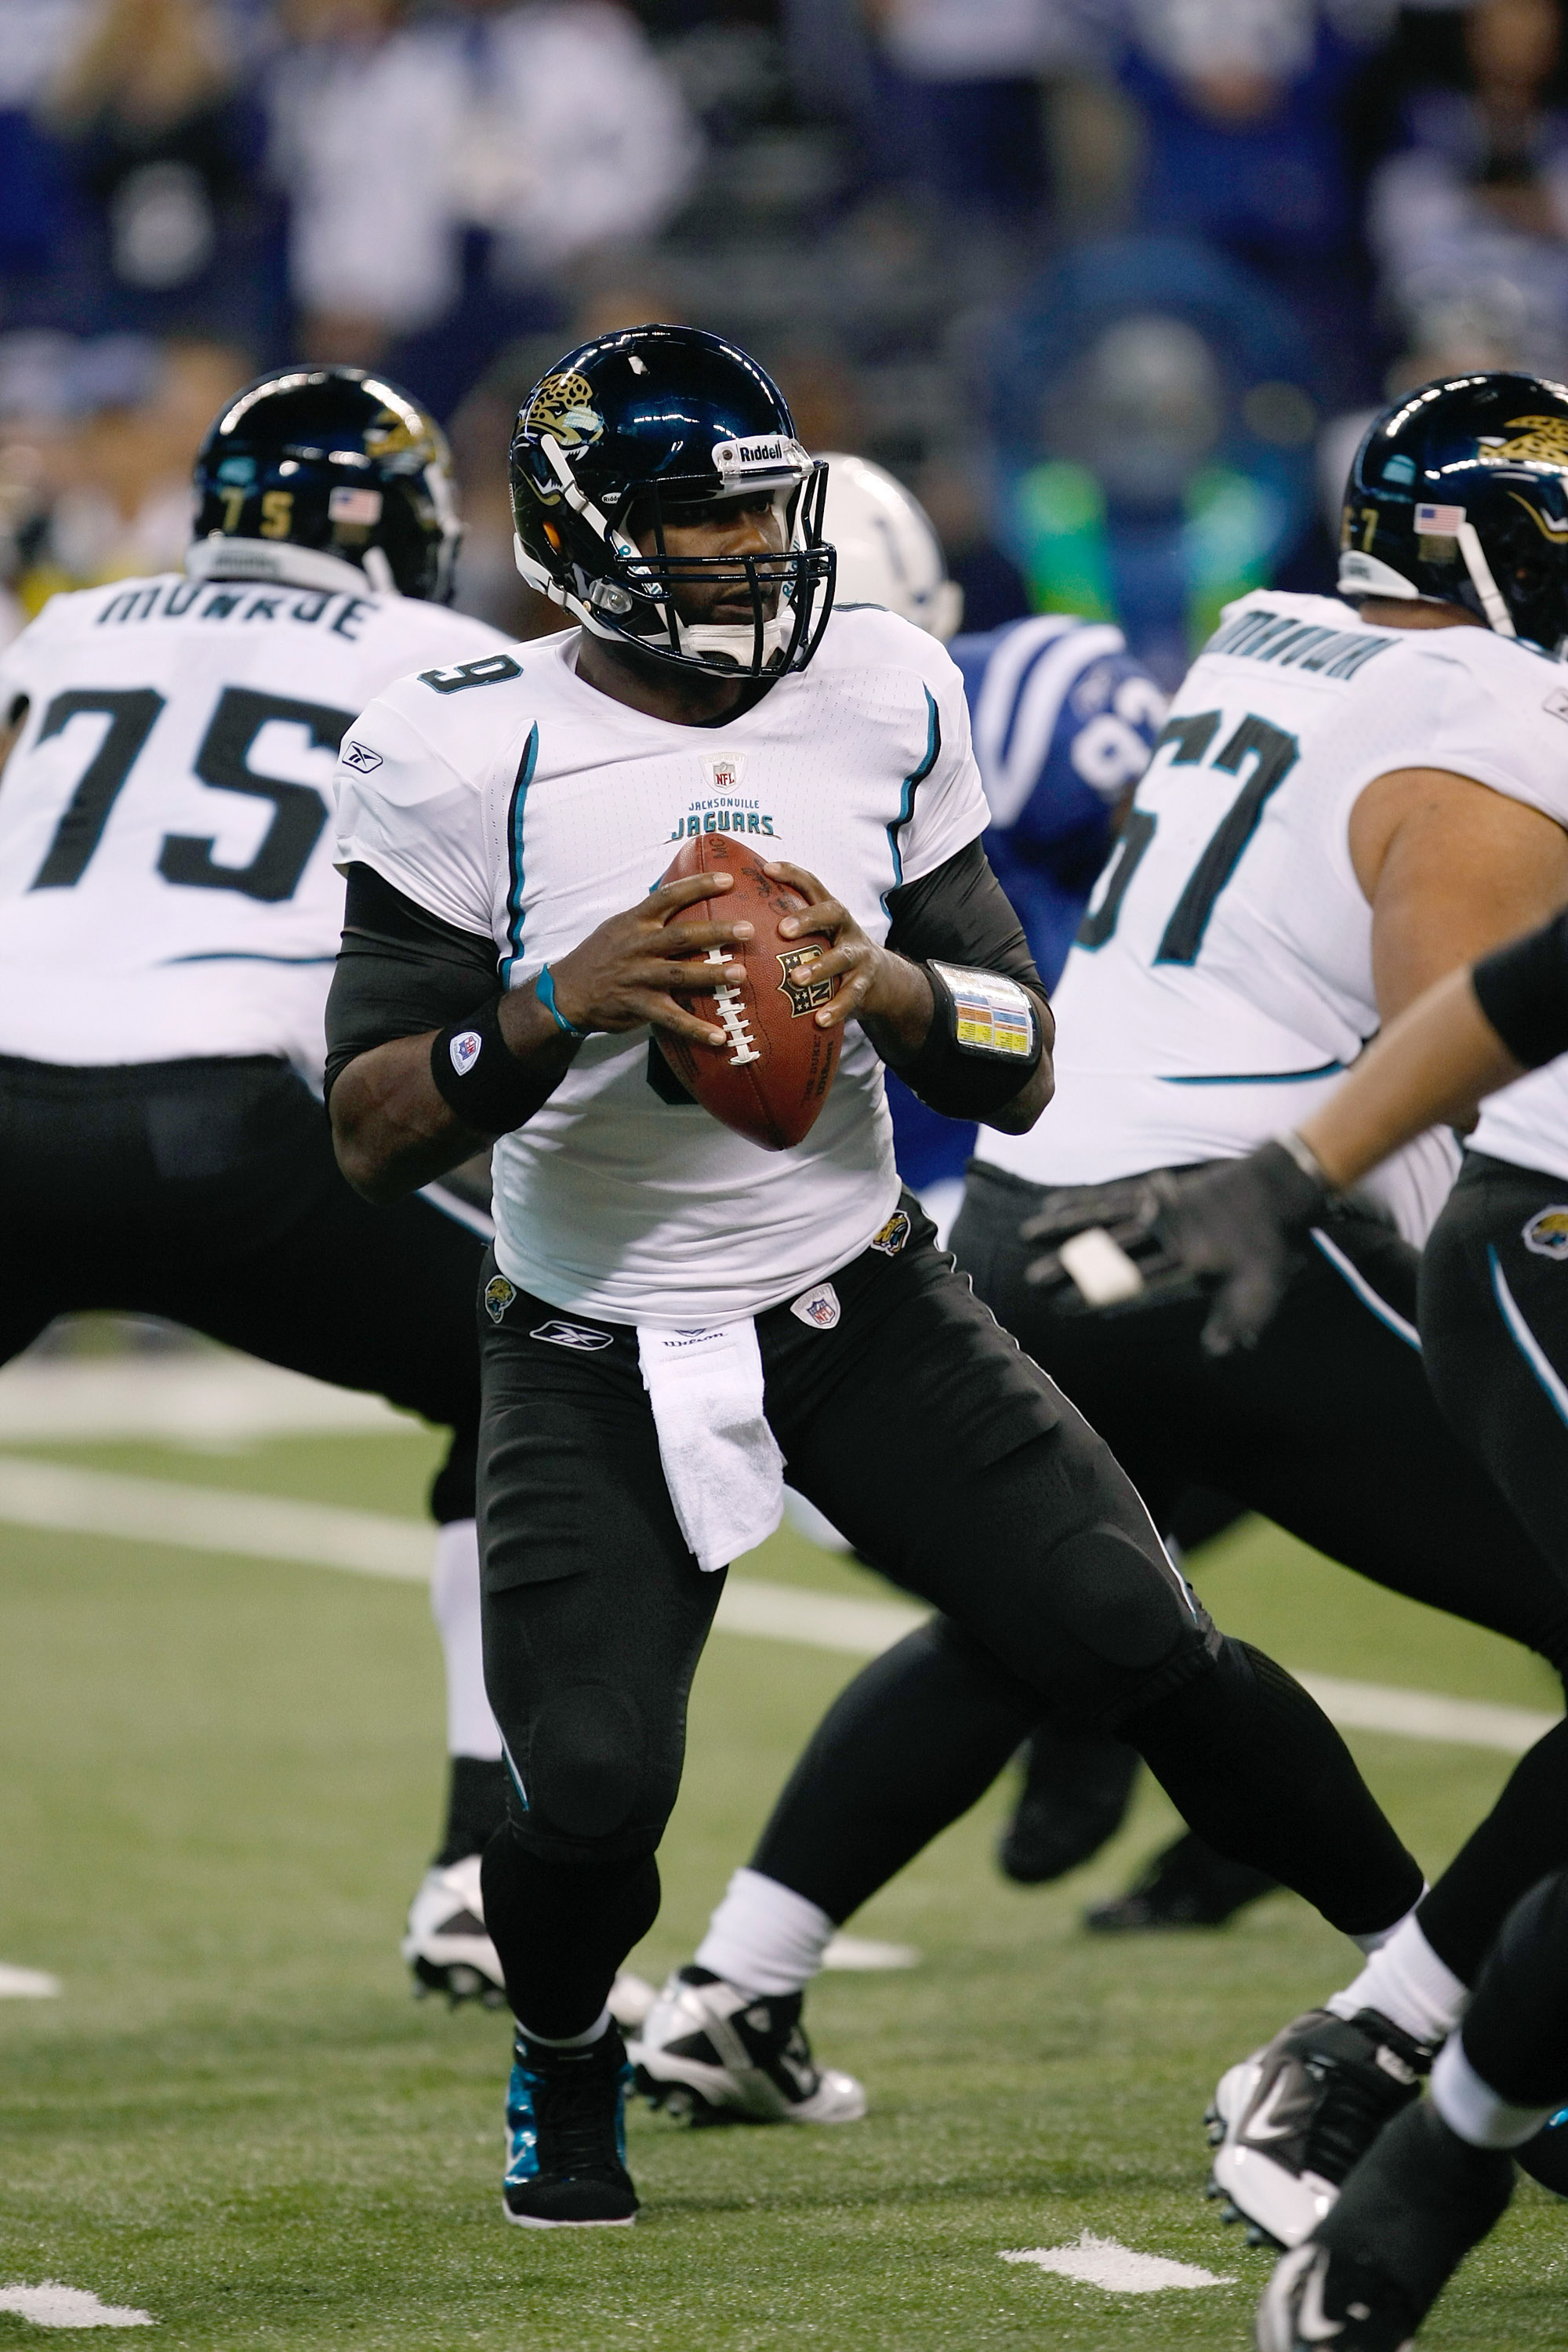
(504, 826)
(1344, 803)
(169, 918)
(1439, 2174)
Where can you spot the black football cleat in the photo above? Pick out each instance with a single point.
(1075, 1796)
(1288, 2124)
(1408, 2216)
(1187, 1885)
(566, 2139)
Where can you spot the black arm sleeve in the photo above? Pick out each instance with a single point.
(960, 914)
(400, 971)
(1522, 989)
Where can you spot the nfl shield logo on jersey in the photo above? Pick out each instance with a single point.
(819, 1308)
(1547, 1232)
(726, 773)
(465, 1050)
(499, 1296)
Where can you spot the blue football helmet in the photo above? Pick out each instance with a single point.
(1459, 495)
(638, 431)
(335, 462)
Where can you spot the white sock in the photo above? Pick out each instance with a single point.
(567, 2041)
(1473, 2109)
(1375, 1937)
(471, 1729)
(763, 1936)
(1407, 1983)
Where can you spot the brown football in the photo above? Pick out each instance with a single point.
(772, 1078)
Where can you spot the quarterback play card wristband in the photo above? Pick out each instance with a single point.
(476, 1073)
(984, 1044)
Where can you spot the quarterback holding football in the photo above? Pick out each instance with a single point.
(653, 902)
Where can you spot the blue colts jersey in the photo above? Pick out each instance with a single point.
(1064, 722)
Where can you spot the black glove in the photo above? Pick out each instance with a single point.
(1238, 1229)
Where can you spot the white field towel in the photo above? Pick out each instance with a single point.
(722, 1462)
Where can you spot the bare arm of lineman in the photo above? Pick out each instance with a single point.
(1475, 1031)
(392, 1129)
(1450, 869)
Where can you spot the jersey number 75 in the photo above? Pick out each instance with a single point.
(222, 758)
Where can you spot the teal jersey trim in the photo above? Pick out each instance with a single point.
(1261, 1077)
(514, 814)
(911, 785)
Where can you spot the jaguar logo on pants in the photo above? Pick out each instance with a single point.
(499, 1296)
(1547, 1232)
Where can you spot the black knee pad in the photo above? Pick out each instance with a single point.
(1112, 1596)
(584, 1763)
(452, 1489)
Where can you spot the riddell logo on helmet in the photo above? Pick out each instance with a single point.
(767, 454)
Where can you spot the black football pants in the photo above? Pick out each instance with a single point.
(207, 1192)
(1328, 1426)
(918, 1427)
(1494, 1326)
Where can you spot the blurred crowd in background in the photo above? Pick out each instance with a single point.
(1112, 284)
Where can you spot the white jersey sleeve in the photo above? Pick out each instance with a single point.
(403, 809)
(946, 800)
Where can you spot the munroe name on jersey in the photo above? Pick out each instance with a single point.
(166, 880)
(531, 813)
(1223, 979)
(208, 600)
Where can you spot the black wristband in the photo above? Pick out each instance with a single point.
(477, 1075)
(984, 1044)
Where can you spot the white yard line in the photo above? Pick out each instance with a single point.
(26, 1984)
(369, 1543)
(53, 2306)
(195, 1398)
(1101, 2262)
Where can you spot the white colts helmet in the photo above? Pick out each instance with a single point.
(888, 552)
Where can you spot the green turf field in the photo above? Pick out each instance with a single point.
(221, 1781)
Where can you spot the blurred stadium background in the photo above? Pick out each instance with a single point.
(1110, 283)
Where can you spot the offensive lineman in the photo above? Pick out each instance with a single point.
(673, 1312)
(1345, 803)
(1439, 2173)
(169, 918)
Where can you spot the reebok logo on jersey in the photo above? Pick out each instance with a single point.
(359, 756)
(819, 1308)
(465, 1050)
(1556, 703)
(1546, 1235)
(573, 1335)
(499, 1296)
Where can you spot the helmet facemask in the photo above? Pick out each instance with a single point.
(630, 595)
